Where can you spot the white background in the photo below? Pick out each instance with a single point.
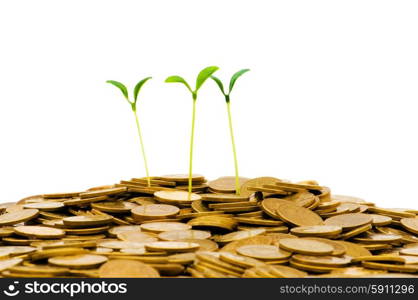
(331, 94)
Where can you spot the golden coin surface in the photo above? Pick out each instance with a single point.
(45, 206)
(176, 197)
(240, 260)
(410, 224)
(154, 211)
(305, 246)
(379, 220)
(115, 244)
(298, 216)
(86, 220)
(6, 231)
(8, 263)
(19, 216)
(263, 252)
(326, 260)
(136, 236)
(223, 198)
(409, 251)
(176, 235)
(349, 221)
(226, 184)
(239, 235)
(78, 261)
(120, 268)
(124, 228)
(40, 232)
(260, 181)
(158, 227)
(270, 206)
(172, 246)
(316, 230)
(354, 250)
(339, 249)
(114, 207)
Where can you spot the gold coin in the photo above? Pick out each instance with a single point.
(263, 252)
(84, 201)
(158, 227)
(19, 216)
(86, 231)
(311, 268)
(240, 260)
(39, 270)
(125, 228)
(179, 197)
(305, 246)
(6, 231)
(176, 235)
(270, 206)
(379, 220)
(81, 221)
(343, 198)
(114, 244)
(103, 192)
(17, 250)
(204, 245)
(114, 207)
(349, 221)
(8, 263)
(60, 195)
(171, 246)
(390, 267)
(354, 250)
(378, 238)
(80, 261)
(387, 258)
(186, 258)
(256, 182)
(316, 230)
(257, 221)
(298, 216)
(238, 235)
(183, 178)
(392, 212)
(410, 224)
(136, 236)
(355, 231)
(214, 221)
(46, 253)
(326, 261)
(223, 198)
(154, 211)
(45, 206)
(339, 249)
(409, 251)
(39, 232)
(226, 184)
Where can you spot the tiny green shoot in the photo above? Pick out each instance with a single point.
(133, 103)
(231, 130)
(201, 78)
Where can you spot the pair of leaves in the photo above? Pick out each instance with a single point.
(201, 78)
(231, 82)
(124, 90)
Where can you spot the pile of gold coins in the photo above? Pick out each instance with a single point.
(273, 228)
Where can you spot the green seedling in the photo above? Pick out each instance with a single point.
(231, 130)
(124, 91)
(201, 78)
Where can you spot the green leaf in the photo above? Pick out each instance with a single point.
(121, 87)
(203, 75)
(235, 77)
(219, 83)
(138, 87)
(179, 80)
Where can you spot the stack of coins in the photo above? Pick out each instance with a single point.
(273, 228)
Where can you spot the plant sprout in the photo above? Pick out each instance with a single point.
(231, 130)
(124, 91)
(201, 78)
